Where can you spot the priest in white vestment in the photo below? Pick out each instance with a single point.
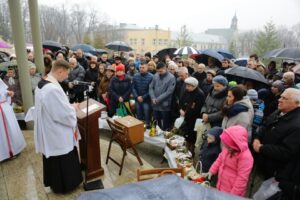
(12, 141)
(55, 134)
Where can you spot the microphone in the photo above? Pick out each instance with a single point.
(75, 82)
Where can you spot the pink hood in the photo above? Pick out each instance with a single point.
(239, 135)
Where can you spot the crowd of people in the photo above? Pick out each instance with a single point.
(248, 125)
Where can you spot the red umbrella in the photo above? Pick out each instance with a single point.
(4, 45)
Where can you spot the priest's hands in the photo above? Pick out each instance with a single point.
(10, 93)
(182, 113)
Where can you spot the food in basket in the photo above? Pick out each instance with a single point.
(175, 141)
(184, 162)
(168, 134)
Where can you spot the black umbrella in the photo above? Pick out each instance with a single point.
(168, 51)
(241, 62)
(204, 55)
(269, 54)
(52, 45)
(246, 73)
(287, 53)
(118, 46)
(85, 48)
(225, 53)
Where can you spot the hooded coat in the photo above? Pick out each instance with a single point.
(210, 151)
(234, 170)
(240, 113)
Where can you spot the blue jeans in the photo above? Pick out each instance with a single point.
(163, 119)
(143, 111)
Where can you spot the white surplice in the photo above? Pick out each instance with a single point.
(54, 120)
(12, 141)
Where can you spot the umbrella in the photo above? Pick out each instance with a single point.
(4, 45)
(118, 46)
(186, 51)
(167, 51)
(287, 53)
(100, 51)
(52, 45)
(246, 73)
(241, 62)
(269, 54)
(85, 48)
(225, 53)
(204, 55)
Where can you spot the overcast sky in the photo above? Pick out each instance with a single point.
(198, 15)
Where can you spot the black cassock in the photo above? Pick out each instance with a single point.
(62, 173)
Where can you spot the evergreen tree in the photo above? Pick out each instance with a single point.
(87, 39)
(233, 48)
(99, 41)
(266, 40)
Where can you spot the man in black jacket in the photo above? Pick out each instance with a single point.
(77, 74)
(278, 143)
(81, 59)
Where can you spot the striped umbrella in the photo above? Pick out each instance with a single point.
(186, 51)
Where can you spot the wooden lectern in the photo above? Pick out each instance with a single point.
(89, 144)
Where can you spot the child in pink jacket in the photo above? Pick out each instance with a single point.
(234, 163)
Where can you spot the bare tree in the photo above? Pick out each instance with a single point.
(78, 22)
(49, 22)
(296, 33)
(286, 37)
(5, 31)
(245, 43)
(183, 39)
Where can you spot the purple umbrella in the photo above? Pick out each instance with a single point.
(4, 45)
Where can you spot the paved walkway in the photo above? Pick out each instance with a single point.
(22, 178)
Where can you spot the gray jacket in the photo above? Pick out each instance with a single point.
(161, 89)
(243, 119)
(213, 104)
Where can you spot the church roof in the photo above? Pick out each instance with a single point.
(201, 37)
(227, 33)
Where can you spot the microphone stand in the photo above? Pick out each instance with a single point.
(96, 184)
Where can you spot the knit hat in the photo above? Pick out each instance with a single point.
(232, 84)
(120, 67)
(191, 81)
(216, 132)
(252, 94)
(221, 80)
(279, 85)
(227, 140)
(110, 67)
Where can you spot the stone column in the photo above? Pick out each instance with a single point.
(19, 42)
(36, 35)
